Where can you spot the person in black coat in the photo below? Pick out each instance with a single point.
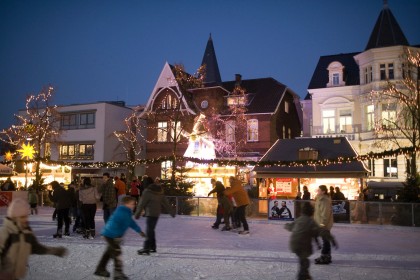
(63, 202)
(306, 193)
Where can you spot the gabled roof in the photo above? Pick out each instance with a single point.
(386, 32)
(212, 68)
(351, 70)
(328, 148)
(264, 94)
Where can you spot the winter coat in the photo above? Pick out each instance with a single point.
(238, 192)
(134, 190)
(304, 229)
(121, 187)
(152, 201)
(16, 244)
(339, 196)
(32, 197)
(323, 215)
(61, 198)
(109, 194)
(306, 195)
(88, 194)
(119, 222)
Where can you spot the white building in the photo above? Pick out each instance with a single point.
(338, 102)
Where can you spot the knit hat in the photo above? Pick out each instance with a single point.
(18, 208)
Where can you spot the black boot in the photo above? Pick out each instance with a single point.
(323, 259)
(143, 252)
(59, 234)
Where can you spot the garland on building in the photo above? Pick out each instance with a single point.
(231, 162)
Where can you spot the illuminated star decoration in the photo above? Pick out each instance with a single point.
(8, 156)
(27, 151)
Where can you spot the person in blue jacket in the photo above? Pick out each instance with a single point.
(113, 233)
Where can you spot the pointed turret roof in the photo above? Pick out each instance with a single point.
(212, 69)
(387, 31)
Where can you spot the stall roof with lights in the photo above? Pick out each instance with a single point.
(291, 150)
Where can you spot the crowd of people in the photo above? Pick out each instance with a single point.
(123, 203)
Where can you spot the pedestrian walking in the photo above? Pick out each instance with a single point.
(305, 230)
(17, 242)
(113, 232)
(324, 218)
(63, 202)
(151, 203)
(242, 201)
(109, 196)
(33, 200)
(88, 195)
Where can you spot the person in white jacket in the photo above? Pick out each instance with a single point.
(88, 195)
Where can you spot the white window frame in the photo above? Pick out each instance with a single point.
(252, 130)
(389, 115)
(346, 121)
(178, 131)
(328, 121)
(391, 167)
(370, 117)
(162, 132)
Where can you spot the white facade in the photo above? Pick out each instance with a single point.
(87, 132)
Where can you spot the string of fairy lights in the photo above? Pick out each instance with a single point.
(235, 162)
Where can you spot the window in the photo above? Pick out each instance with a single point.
(386, 71)
(390, 167)
(77, 151)
(165, 168)
(230, 131)
(168, 102)
(308, 153)
(371, 165)
(389, 115)
(78, 120)
(346, 121)
(335, 74)
(69, 121)
(368, 75)
(236, 100)
(370, 117)
(284, 132)
(336, 79)
(328, 121)
(162, 132)
(286, 107)
(252, 130)
(87, 120)
(289, 133)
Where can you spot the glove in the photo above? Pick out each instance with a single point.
(58, 251)
(137, 216)
(142, 234)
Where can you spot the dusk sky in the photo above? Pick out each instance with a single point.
(115, 50)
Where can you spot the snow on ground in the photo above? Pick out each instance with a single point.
(188, 248)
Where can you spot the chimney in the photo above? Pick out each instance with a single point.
(238, 79)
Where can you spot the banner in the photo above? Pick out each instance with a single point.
(5, 198)
(281, 210)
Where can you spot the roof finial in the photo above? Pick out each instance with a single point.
(385, 4)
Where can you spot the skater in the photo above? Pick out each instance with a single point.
(62, 203)
(219, 214)
(224, 206)
(242, 200)
(121, 188)
(113, 233)
(17, 242)
(33, 200)
(88, 195)
(151, 202)
(324, 218)
(304, 230)
(109, 196)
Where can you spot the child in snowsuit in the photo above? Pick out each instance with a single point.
(17, 242)
(304, 229)
(113, 232)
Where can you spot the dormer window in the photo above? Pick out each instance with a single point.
(168, 102)
(236, 100)
(308, 153)
(335, 74)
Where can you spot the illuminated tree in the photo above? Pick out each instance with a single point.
(131, 139)
(400, 120)
(38, 124)
(229, 127)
